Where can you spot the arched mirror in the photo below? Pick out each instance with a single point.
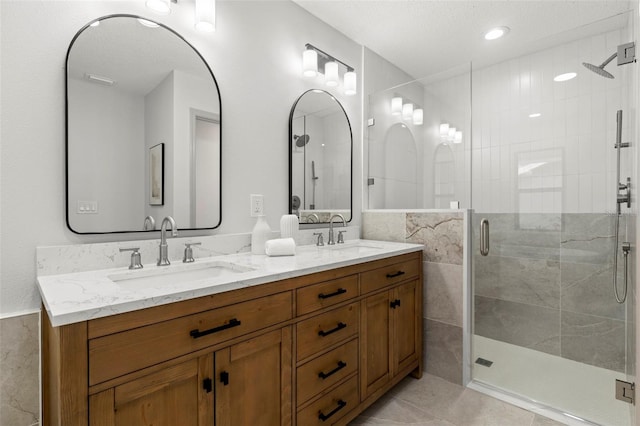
(320, 158)
(143, 130)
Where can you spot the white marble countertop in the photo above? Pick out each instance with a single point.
(80, 296)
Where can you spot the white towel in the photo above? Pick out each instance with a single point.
(280, 247)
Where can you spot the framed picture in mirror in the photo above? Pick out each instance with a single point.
(156, 175)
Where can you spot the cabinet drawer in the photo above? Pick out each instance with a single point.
(121, 353)
(326, 370)
(328, 293)
(388, 275)
(333, 406)
(322, 331)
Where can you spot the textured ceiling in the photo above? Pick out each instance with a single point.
(426, 37)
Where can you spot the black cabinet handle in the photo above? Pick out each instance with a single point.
(335, 293)
(197, 333)
(324, 417)
(224, 378)
(394, 304)
(340, 326)
(207, 385)
(341, 365)
(397, 274)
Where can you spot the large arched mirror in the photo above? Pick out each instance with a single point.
(143, 130)
(320, 158)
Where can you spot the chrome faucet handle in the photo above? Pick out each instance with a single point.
(188, 252)
(136, 263)
(341, 237)
(320, 241)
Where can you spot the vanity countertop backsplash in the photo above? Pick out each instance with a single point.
(87, 281)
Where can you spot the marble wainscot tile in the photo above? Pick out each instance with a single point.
(532, 327)
(443, 350)
(443, 293)
(594, 340)
(529, 281)
(384, 226)
(588, 238)
(19, 370)
(587, 288)
(510, 237)
(441, 233)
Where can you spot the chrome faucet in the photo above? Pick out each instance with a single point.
(149, 223)
(164, 248)
(331, 237)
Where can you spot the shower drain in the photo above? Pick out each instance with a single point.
(484, 362)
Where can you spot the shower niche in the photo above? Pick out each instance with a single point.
(320, 163)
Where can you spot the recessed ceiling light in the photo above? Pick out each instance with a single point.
(496, 33)
(535, 115)
(565, 76)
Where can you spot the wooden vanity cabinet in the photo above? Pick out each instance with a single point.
(313, 350)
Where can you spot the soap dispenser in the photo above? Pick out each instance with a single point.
(260, 234)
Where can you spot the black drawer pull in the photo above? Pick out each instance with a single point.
(341, 365)
(207, 385)
(335, 293)
(197, 333)
(224, 378)
(397, 274)
(341, 405)
(340, 326)
(394, 304)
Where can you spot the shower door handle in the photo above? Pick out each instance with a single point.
(484, 237)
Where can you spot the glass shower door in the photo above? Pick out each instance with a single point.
(546, 325)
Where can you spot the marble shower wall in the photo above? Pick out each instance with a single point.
(442, 233)
(19, 370)
(547, 285)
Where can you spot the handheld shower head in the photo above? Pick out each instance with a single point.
(301, 140)
(600, 69)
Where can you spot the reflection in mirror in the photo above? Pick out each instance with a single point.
(143, 130)
(320, 176)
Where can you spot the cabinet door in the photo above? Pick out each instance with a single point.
(173, 396)
(375, 362)
(406, 327)
(253, 381)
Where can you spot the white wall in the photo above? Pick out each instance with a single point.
(255, 55)
(574, 136)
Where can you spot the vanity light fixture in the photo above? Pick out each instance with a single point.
(331, 77)
(396, 105)
(418, 116)
(314, 60)
(205, 15)
(407, 112)
(205, 12)
(457, 138)
(444, 130)
(148, 23)
(452, 134)
(564, 77)
(159, 6)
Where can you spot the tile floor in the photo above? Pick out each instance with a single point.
(432, 401)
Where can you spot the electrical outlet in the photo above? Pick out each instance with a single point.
(257, 205)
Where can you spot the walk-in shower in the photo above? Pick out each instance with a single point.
(543, 327)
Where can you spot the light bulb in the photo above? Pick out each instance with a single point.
(160, 6)
(331, 74)
(457, 138)
(417, 117)
(444, 130)
(350, 83)
(407, 111)
(396, 106)
(309, 63)
(452, 133)
(205, 15)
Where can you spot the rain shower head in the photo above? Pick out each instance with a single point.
(600, 69)
(301, 140)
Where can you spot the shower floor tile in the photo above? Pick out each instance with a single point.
(432, 401)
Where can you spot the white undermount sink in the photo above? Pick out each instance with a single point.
(160, 275)
(356, 248)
